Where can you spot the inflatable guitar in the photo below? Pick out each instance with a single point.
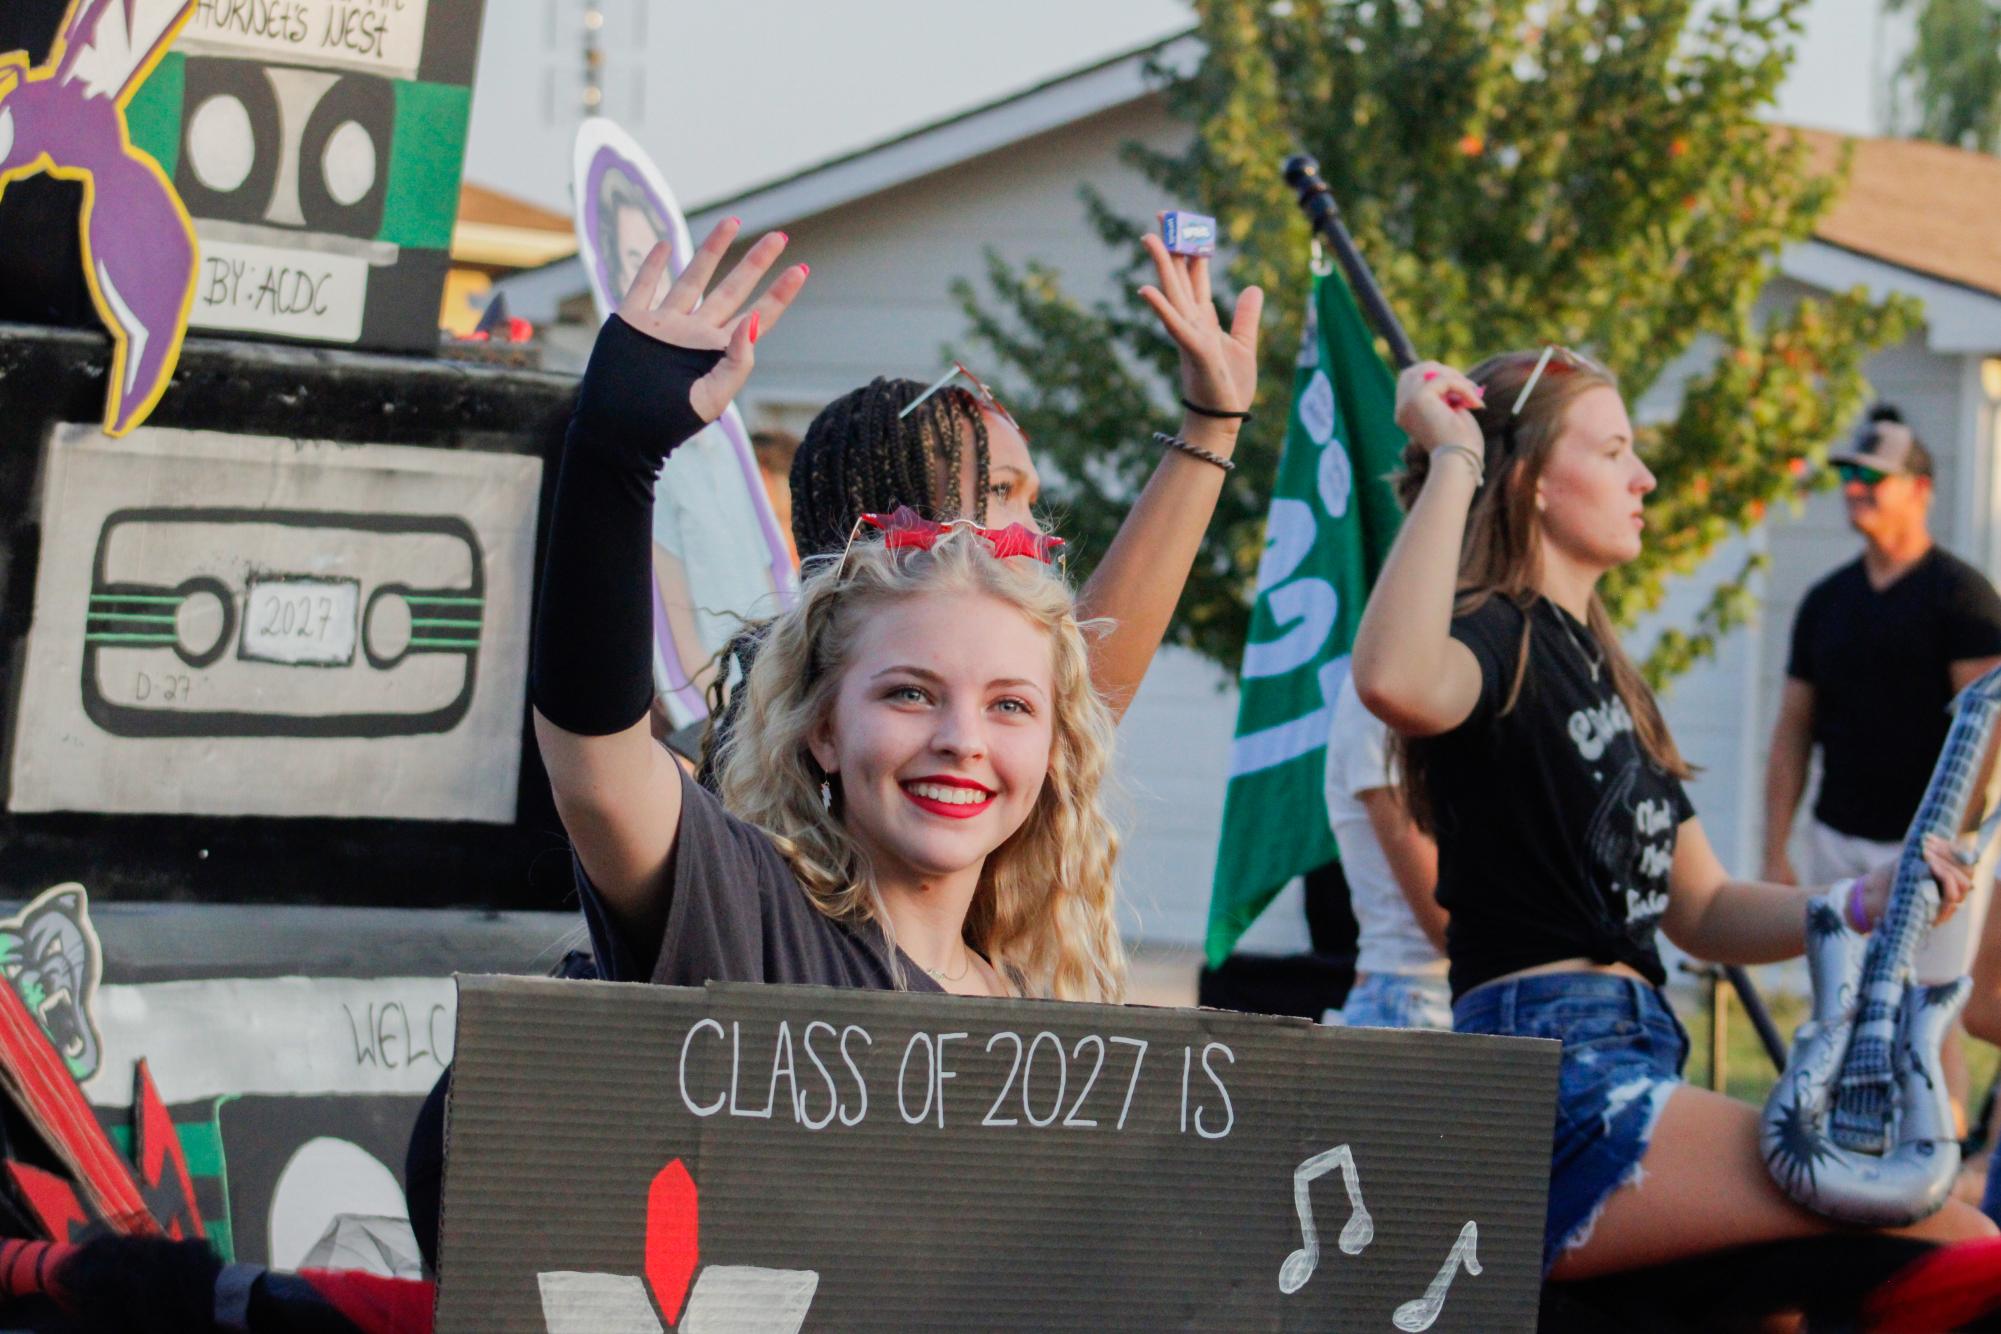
(1860, 1128)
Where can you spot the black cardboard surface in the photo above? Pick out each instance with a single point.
(1173, 1210)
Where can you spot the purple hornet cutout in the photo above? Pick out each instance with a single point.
(67, 117)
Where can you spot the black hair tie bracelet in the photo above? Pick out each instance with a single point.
(1207, 456)
(1217, 413)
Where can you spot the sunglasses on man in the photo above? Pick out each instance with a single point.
(1850, 473)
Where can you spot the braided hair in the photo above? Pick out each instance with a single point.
(860, 456)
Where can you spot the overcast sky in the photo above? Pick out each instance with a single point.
(727, 95)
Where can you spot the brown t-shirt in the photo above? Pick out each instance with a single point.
(738, 914)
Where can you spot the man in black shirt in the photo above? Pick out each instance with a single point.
(1879, 649)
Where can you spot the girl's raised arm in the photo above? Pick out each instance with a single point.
(1139, 581)
(1408, 668)
(660, 371)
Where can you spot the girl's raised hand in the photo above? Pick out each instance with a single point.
(683, 316)
(1435, 407)
(1219, 368)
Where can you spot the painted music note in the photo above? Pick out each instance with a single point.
(1357, 1233)
(1417, 1314)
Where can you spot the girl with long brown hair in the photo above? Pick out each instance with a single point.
(1534, 751)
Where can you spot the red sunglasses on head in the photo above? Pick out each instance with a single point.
(904, 528)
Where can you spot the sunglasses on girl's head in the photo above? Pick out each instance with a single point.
(1856, 472)
(974, 385)
(906, 528)
(1572, 361)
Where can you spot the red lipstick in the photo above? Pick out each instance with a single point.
(952, 797)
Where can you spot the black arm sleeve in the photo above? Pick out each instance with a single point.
(592, 665)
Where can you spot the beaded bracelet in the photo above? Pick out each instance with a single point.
(1217, 413)
(1176, 442)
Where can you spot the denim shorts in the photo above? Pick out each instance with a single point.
(1623, 1052)
(1395, 1000)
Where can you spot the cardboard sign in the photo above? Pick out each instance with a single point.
(635, 1157)
(239, 625)
(319, 146)
(718, 557)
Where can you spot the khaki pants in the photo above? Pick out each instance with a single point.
(1827, 855)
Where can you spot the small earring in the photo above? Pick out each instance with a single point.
(826, 795)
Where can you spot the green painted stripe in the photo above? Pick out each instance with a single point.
(201, 1145)
(425, 162)
(153, 115)
(99, 638)
(222, 1237)
(444, 643)
(422, 620)
(131, 616)
(444, 602)
(147, 598)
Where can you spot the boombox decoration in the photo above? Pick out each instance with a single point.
(280, 172)
(243, 625)
(318, 146)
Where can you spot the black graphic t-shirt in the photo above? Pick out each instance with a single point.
(1555, 831)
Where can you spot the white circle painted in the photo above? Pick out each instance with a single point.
(1316, 408)
(1337, 480)
(349, 163)
(388, 629)
(326, 1178)
(199, 621)
(6, 132)
(221, 145)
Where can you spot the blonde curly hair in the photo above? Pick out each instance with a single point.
(1043, 912)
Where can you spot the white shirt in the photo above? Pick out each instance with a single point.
(1358, 762)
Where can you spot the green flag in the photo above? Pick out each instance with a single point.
(1333, 517)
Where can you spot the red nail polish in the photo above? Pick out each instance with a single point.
(1430, 376)
(783, 237)
(805, 269)
(734, 220)
(753, 327)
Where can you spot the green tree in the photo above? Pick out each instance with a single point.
(1953, 73)
(1593, 174)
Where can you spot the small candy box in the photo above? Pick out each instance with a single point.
(1188, 233)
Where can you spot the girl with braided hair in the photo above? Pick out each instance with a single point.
(1533, 750)
(958, 452)
(954, 451)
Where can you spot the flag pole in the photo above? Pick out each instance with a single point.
(1302, 173)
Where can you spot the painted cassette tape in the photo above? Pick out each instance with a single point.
(318, 147)
(261, 623)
